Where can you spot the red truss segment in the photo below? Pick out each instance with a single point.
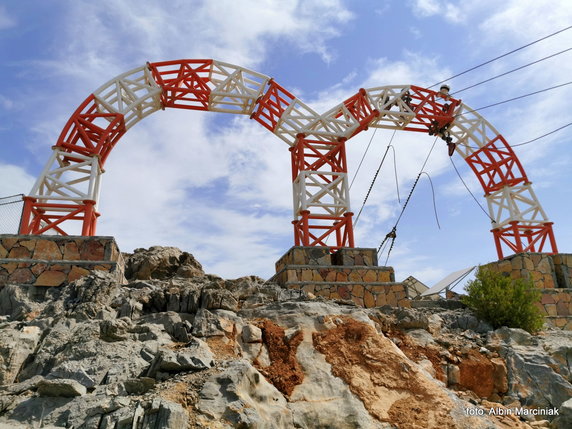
(38, 218)
(272, 105)
(433, 111)
(360, 107)
(313, 230)
(496, 165)
(314, 155)
(525, 238)
(185, 83)
(90, 132)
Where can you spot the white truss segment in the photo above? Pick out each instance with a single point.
(236, 89)
(295, 120)
(394, 112)
(470, 131)
(515, 203)
(332, 125)
(65, 179)
(327, 192)
(134, 94)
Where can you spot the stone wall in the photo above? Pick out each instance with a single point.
(537, 266)
(317, 273)
(551, 275)
(364, 295)
(350, 274)
(55, 260)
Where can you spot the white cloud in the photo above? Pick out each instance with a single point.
(14, 180)
(428, 8)
(6, 103)
(6, 21)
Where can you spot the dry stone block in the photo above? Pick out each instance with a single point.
(19, 252)
(368, 299)
(76, 273)
(51, 278)
(92, 250)
(48, 250)
(9, 267)
(28, 244)
(7, 243)
(37, 269)
(21, 276)
(71, 252)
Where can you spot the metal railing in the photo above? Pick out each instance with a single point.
(11, 213)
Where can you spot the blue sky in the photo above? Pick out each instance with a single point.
(219, 186)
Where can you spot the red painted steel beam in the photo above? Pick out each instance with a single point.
(185, 83)
(520, 238)
(496, 165)
(360, 107)
(272, 105)
(89, 132)
(433, 111)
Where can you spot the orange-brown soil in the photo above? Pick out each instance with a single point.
(284, 371)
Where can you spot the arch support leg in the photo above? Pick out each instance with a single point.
(522, 238)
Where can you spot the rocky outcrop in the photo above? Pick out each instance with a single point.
(161, 262)
(177, 348)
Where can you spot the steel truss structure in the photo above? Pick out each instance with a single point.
(68, 187)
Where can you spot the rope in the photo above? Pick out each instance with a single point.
(374, 177)
(469, 191)
(393, 233)
(395, 172)
(501, 56)
(434, 200)
(363, 157)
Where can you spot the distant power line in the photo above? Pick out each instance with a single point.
(501, 56)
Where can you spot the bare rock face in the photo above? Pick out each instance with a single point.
(176, 349)
(239, 396)
(161, 263)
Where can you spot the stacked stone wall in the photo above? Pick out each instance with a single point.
(56, 260)
(364, 295)
(348, 274)
(551, 275)
(539, 267)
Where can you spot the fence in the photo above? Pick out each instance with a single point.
(11, 213)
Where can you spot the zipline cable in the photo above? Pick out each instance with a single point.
(501, 56)
(362, 158)
(469, 191)
(542, 136)
(515, 98)
(531, 140)
(511, 71)
(434, 200)
(393, 233)
(375, 177)
(395, 173)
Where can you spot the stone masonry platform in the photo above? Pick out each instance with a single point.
(40, 260)
(351, 274)
(551, 275)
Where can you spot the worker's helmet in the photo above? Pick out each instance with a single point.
(445, 89)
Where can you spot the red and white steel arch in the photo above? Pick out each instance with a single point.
(68, 187)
